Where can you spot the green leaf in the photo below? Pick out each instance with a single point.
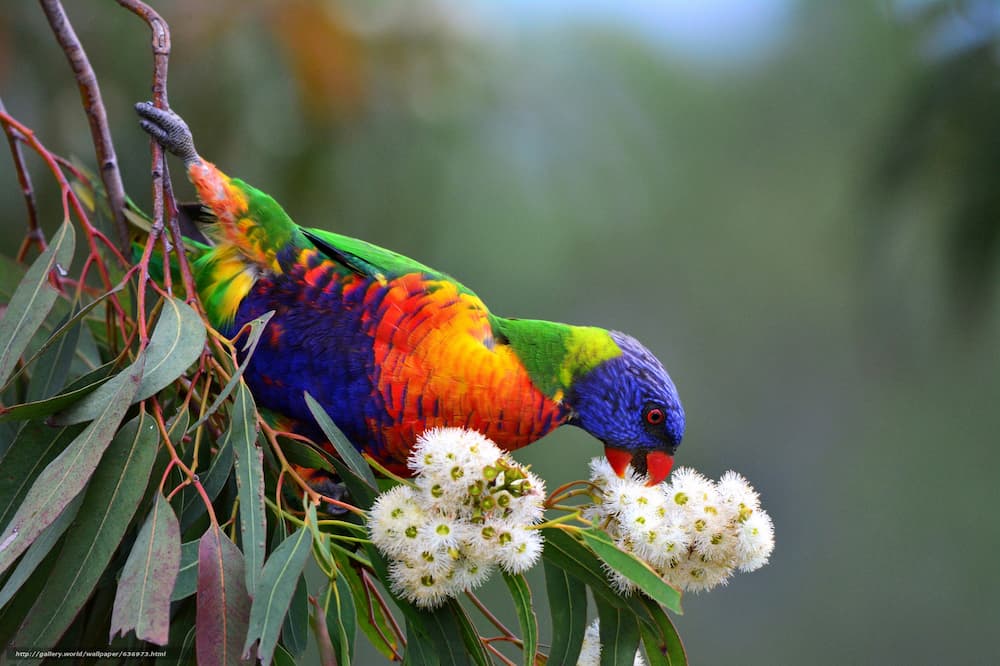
(223, 603)
(520, 592)
(38, 551)
(283, 657)
(69, 333)
(662, 641)
(303, 455)
(256, 328)
(187, 576)
(295, 629)
(176, 343)
(33, 299)
(568, 606)
(342, 626)
(467, 630)
(54, 359)
(213, 481)
(619, 635)
(64, 477)
(46, 406)
(242, 436)
(580, 562)
(634, 569)
(378, 632)
(35, 447)
(147, 581)
(14, 612)
(275, 589)
(109, 504)
(344, 448)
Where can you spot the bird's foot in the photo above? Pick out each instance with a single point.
(169, 130)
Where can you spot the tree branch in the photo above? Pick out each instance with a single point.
(34, 235)
(93, 105)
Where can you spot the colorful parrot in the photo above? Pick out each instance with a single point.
(391, 348)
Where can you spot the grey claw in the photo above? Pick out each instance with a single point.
(169, 130)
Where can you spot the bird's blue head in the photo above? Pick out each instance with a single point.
(629, 403)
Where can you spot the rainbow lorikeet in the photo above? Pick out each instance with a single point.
(390, 347)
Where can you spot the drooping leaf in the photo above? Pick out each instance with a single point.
(470, 636)
(283, 657)
(176, 343)
(50, 371)
(13, 613)
(344, 448)
(568, 606)
(295, 630)
(299, 453)
(619, 634)
(38, 551)
(520, 592)
(634, 569)
(34, 447)
(223, 602)
(275, 589)
(213, 481)
(187, 575)
(109, 504)
(147, 581)
(581, 563)
(378, 631)
(33, 299)
(46, 406)
(661, 637)
(249, 459)
(341, 620)
(61, 347)
(249, 347)
(64, 477)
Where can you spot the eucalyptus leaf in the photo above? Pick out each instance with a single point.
(634, 569)
(64, 477)
(176, 343)
(147, 581)
(222, 601)
(619, 634)
(568, 607)
(249, 463)
(344, 448)
(33, 299)
(109, 503)
(274, 591)
(520, 593)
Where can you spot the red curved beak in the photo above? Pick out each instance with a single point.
(656, 463)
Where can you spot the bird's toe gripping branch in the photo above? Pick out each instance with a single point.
(169, 130)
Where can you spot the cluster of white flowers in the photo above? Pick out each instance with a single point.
(694, 532)
(470, 511)
(590, 651)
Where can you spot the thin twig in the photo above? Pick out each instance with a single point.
(494, 620)
(34, 235)
(93, 105)
(373, 591)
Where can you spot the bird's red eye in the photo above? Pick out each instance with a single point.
(654, 416)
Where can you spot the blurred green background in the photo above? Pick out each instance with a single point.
(794, 204)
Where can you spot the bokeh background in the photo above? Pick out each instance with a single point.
(794, 204)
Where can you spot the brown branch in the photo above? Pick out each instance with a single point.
(34, 235)
(93, 105)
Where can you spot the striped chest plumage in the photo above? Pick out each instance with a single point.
(387, 358)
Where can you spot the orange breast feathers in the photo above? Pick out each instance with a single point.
(439, 366)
